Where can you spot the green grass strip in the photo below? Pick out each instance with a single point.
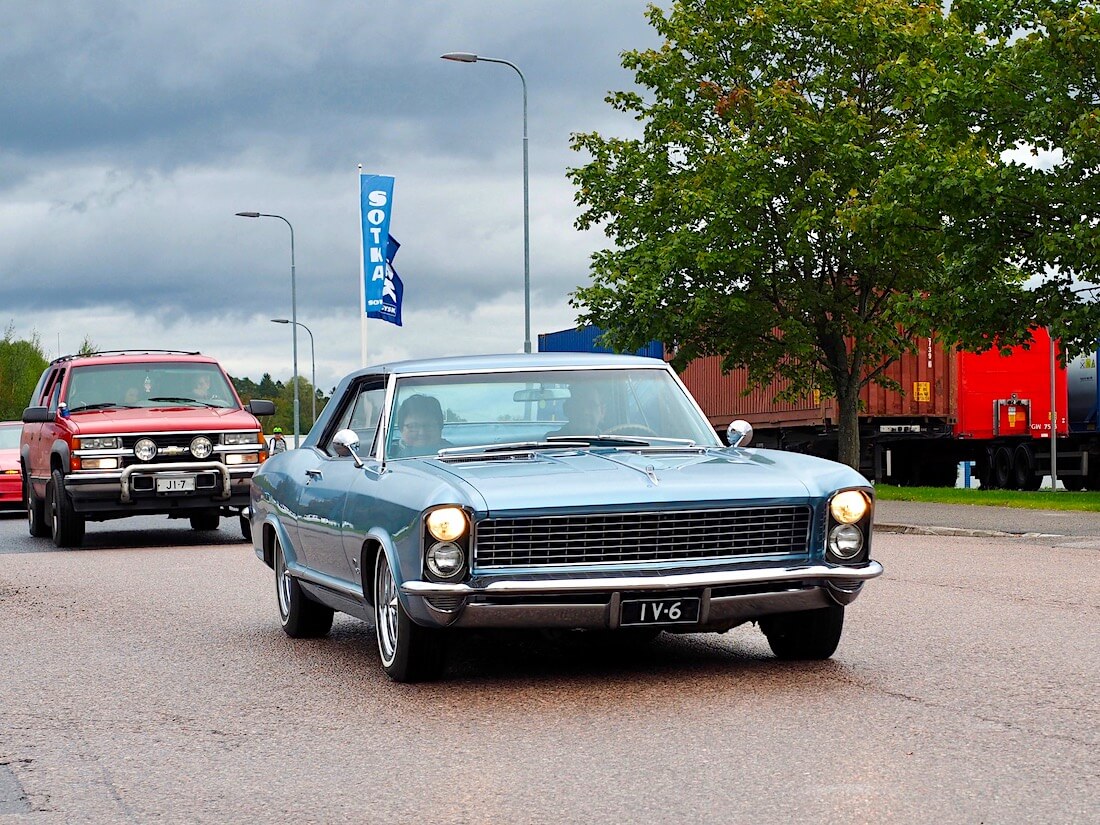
(1039, 500)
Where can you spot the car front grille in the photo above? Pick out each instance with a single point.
(616, 538)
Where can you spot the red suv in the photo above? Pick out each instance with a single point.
(117, 434)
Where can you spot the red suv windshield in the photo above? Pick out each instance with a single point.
(154, 384)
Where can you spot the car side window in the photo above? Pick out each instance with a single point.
(361, 415)
(55, 391)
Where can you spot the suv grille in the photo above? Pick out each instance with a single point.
(635, 537)
(167, 446)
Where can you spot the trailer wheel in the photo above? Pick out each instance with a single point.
(1073, 483)
(1002, 469)
(1023, 468)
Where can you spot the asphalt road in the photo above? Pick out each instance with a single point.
(145, 678)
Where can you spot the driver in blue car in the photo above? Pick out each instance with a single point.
(420, 423)
(584, 410)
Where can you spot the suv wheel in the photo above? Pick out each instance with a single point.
(36, 510)
(66, 525)
(206, 520)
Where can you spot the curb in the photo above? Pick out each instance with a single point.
(960, 531)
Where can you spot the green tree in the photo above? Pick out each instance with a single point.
(21, 365)
(811, 192)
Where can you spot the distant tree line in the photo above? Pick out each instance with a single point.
(283, 396)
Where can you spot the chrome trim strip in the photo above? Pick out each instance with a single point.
(677, 581)
(320, 579)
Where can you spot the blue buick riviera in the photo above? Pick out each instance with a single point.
(568, 491)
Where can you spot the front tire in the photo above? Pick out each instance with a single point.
(66, 525)
(805, 634)
(409, 652)
(37, 525)
(206, 520)
(301, 617)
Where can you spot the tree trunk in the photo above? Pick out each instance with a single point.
(848, 427)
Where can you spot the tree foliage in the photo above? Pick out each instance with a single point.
(283, 396)
(818, 182)
(21, 365)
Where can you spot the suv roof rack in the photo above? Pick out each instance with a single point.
(126, 352)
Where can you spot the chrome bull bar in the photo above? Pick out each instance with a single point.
(175, 467)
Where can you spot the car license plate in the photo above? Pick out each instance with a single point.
(176, 484)
(659, 611)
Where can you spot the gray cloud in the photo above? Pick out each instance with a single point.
(133, 132)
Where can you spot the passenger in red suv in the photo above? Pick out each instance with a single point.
(116, 434)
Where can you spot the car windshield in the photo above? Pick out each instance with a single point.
(9, 436)
(545, 408)
(148, 384)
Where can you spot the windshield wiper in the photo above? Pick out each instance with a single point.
(185, 400)
(103, 405)
(630, 440)
(512, 446)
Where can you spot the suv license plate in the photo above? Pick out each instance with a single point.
(176, 484)
(659, 611)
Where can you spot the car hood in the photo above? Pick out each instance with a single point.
(585, 479)
(161, 419)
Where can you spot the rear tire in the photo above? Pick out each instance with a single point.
(805, 634)
(301, 617)
(206, 520)
(409, 652)
(1023, 468)
(66, 526)
(246, 528)
(1002, 469)
(37, 525)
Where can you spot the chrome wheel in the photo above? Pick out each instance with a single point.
(282, 583)
(386, 609)
(301, 617)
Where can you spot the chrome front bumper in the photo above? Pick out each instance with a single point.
(729, 597)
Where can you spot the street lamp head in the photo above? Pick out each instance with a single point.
(460, 57)
(248, 214)
(280, 320)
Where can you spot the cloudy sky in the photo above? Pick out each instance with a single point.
(131, 132)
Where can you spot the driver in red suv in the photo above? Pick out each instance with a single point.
(116, 434)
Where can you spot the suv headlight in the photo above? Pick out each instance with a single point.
(237, 439)
(112, 442)
(201, 447)
(145, 449)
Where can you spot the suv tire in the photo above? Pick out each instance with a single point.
(37, 525)
(66, 525)
(206, 520)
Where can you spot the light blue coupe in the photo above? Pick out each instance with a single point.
(552, 491)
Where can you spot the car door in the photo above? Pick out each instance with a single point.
(39, 437)
(327, 479)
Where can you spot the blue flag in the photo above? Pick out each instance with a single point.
(392, 289)
(375, 199)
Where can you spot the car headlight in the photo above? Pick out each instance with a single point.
(201, 447)
(99, 443)
(447, 523)
(236, 439)
(849, 506)
(445, 559)
(845, 541)
(145, 449)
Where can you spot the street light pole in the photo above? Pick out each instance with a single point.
(468, 57)
(312, 361)
(293, 310)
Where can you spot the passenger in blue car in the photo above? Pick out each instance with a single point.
(420, 422)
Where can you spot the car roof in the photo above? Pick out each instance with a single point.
(534, 360)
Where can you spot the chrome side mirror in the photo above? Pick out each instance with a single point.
(739, 433)
(346, 443)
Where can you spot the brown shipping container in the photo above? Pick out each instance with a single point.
(927, 379)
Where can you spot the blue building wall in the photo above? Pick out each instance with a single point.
(584, 340)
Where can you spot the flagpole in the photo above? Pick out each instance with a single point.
(362, 279)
